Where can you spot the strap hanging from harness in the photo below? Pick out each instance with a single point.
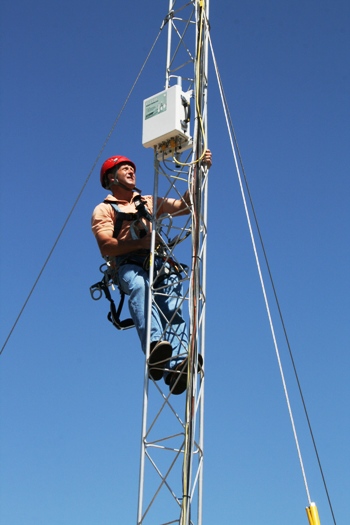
(114, 313)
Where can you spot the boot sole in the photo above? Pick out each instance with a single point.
(159, 357)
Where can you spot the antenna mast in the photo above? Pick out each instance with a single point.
(171, 463)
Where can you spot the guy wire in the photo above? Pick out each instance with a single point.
(276, 299)
(79, 196)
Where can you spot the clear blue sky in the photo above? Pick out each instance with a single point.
(71, 385)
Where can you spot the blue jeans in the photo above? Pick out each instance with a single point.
(167, 322)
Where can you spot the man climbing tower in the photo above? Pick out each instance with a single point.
(122, 227)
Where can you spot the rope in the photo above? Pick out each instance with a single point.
(79, 195)
(234, 148)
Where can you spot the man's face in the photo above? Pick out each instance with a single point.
(126, 175)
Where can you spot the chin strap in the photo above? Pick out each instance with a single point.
(117, 183)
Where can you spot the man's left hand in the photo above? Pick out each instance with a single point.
(207, 159)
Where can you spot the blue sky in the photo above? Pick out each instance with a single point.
(71, 386)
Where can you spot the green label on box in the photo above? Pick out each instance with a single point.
(156, 105)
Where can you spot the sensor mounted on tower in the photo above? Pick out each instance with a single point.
(166, 122)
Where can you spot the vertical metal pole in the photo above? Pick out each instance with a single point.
(197, 287)
(145, 388)
(204, 275)
(168, 55)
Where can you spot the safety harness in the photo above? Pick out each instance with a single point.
(137, 227)
(110, 270)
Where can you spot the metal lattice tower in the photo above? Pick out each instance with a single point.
(171, 465)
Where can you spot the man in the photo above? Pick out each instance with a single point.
(122, 227)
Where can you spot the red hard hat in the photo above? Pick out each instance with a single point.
(110, 163)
